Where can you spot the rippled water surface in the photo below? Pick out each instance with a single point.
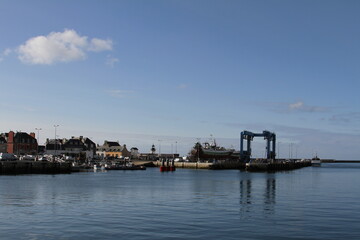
(309, 203)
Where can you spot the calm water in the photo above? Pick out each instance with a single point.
(310, 203)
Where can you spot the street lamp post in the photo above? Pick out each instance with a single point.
(172, 150)
(38, 141)
(198, 149)
(18, 145)
(159, 149)
(278, 150)
(291, 150)
(55, 126)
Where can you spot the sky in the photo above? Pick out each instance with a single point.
(172, 73)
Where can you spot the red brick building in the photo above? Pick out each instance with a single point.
(19, 143)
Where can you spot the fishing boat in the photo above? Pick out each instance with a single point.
(125, 166)
(214, 150)
(315, 161)
(211, 151)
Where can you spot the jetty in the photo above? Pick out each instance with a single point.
(271, 166)
(33, 167)
(254, 166)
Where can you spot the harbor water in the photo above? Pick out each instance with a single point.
(308, 203)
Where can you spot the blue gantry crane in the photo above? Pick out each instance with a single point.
(249, 136)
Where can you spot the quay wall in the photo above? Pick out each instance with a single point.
(31, 167)
(194, 165)
(227, 165)
(281, 166)
(203, 165)
(253, 166)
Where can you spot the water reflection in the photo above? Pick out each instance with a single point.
(245, 191)
(270, 194)
(256, 192)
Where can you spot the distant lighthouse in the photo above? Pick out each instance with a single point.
(153, 149)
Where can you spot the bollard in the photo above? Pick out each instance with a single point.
(172, 167)
(162, 167)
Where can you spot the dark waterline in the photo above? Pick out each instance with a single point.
(309, 203)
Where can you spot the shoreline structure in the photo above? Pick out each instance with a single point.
(40, 167)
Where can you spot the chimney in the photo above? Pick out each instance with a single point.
(11, 137)
(10, 142)
(32, 134)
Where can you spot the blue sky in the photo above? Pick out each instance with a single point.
(169, 72)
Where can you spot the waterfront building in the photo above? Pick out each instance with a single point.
(41, 149)
(90, 147)
(134, 152)
(112, 149)
(19, 143)
(3, 144)
(53, 146)
(79, 148)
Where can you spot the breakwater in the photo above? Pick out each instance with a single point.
(194, 165)
(276, 166)
(219, 165)
(252, 167)
(31, 167)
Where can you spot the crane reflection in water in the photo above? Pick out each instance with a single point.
(253, 191)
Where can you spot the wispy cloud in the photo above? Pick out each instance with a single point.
(182, 86)
(291, 107)
(63, 46)
(5, 53)
(99, 45)
(111, 61)
(17, 107)
(301, 107)
(295, 106)
(119, 93)
(346, 117)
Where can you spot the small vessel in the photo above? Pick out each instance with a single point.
(315, 161)
(28, 158)
(125, 166)
(43, 159)
(7, 157)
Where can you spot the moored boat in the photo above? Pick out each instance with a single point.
(315, 161)
(126, 166)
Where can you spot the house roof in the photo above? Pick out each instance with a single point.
(22, 135)
(112, 144)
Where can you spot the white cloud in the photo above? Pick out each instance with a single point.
(5, 53)
(111, 61)
(346, 117)
(98, 45)
(119, 93)
(301, 107)
(297, 105)
(60, 47)
(182, 86)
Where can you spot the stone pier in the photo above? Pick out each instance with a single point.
(31, 167)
